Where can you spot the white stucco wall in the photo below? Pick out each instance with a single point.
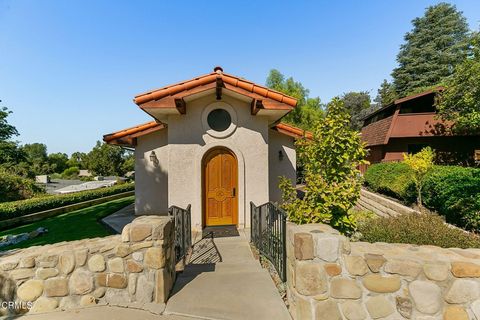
(188, 142)
(286, 167)
(151, 181)
(180, 153)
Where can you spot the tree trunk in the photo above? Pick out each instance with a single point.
(419, 196)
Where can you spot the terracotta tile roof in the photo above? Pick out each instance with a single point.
(293, 131)
(228, 81)
(127, 136)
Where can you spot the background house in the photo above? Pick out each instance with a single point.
(409, 124)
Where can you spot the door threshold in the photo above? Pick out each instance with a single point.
(220, 231)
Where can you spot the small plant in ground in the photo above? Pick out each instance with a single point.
(420, 165)
(332, 180)
(420, 229)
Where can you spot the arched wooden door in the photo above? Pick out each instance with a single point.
(220, 190)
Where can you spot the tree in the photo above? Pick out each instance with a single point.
(57, 162)
(386, 94)
(105, 160)
(9, 151)
(308, 110)
(77, 160)
(460, 102)
(420, 165)
(356, 103)
(129, 162)
(7, 131)
(37, 156)
(437, 43)
(332, 180)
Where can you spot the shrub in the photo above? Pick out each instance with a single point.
(14, 187)
(420, 229)
(451, 191)
(23, 207)
(71, 172)
(392, 179)
(454, 192)
(332, 180)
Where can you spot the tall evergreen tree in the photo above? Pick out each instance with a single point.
(308, 110)
(386, 94)
(432, 49)
(460, 102)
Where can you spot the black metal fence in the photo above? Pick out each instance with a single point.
(183, 230)
(269, 233)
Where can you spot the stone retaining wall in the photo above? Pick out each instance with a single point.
(134, 269)
(329, 277)
(380, 205)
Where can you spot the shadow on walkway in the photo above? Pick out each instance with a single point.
(203, 258)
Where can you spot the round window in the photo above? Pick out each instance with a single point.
(219, 120)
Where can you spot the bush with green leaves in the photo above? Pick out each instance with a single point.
(420, 229)
(20, 208)
(391, 179)
(451, 191)
(332, 181)
(70, 173)
(454, 192)
(14, 187)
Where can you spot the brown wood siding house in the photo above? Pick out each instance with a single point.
(409, 124)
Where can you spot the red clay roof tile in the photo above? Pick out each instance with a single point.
(249, 86)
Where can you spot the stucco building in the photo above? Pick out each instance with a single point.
(409, 124)
(216, 142)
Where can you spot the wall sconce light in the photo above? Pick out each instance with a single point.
(280, 155)
(153, 158)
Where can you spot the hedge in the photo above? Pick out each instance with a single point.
(454, 192)
(391, 179)
(23, 207)
(451, 191)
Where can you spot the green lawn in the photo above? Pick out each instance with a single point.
(75, 225)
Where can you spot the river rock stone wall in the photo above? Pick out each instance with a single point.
(329, 277)
(135, 268)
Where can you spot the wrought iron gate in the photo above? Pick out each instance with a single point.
(268, 234)
(183, 230)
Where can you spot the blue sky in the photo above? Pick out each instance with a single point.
(69, 69)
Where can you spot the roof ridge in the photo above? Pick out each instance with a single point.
(209, 78)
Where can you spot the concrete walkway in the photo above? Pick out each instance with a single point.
(121, 218)
(224, 281)
(100, 313)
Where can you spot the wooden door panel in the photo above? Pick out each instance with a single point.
(220, 188)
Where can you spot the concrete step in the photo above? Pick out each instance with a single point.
(376, 208)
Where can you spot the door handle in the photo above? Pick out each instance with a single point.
(233, 192)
